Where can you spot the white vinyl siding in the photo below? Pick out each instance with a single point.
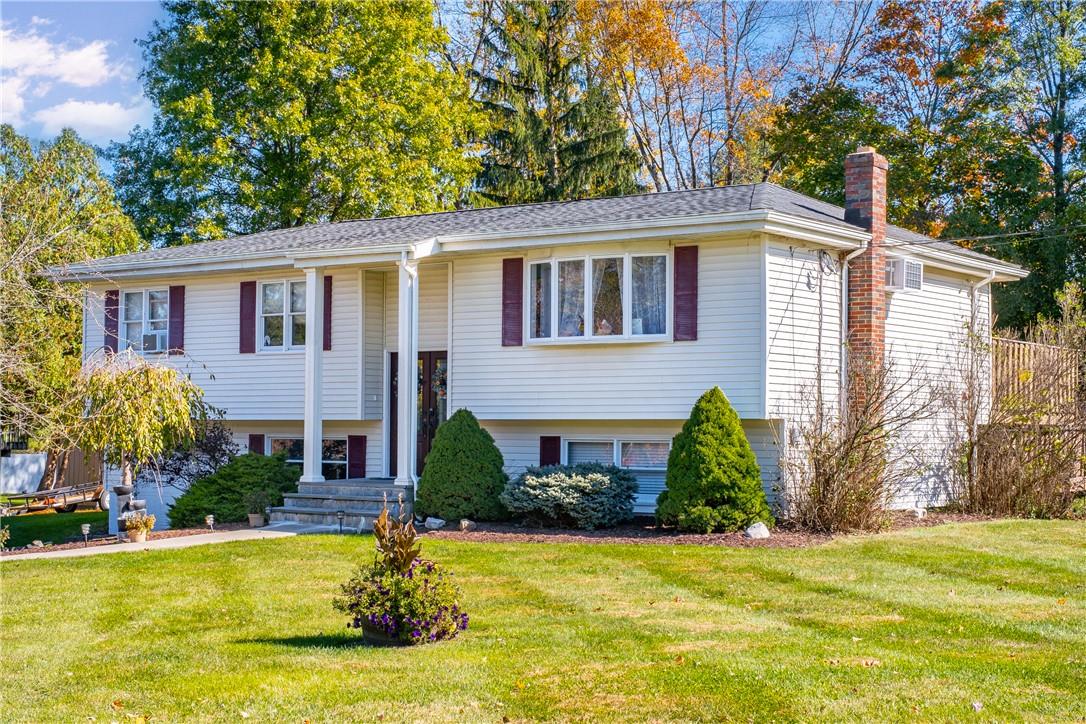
(627, 379)
(803, 318)
(374, 349)
(264, 385)
(927, 328)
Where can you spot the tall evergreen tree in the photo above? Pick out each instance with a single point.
(556, 132)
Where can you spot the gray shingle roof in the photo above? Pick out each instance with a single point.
(366, 233)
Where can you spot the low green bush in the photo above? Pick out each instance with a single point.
(464, 473)
(226, 493)
(582, 496)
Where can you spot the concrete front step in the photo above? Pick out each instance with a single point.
(378, 490)
(320, 517)
(341, 502)
(315, 505)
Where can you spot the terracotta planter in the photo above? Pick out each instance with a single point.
(256, 520)
(377, 637)
(137, 536)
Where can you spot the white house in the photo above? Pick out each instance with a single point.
(579, 330)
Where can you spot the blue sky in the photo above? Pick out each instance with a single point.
(74, 64)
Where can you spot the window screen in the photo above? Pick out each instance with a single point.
(590, 452)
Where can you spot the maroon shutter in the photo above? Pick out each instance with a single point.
(256, 444)
(113, 299)
(176, 333)
(550, 450)
(247, 326)
(686, 293)
(512, 302)
(328, 313)
(356, 456)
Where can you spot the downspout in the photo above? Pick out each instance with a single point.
(843, 365)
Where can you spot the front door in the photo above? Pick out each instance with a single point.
(432, 377)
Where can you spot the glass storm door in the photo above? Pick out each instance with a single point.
(431, 402)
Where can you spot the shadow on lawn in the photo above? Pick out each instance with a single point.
(343, 640)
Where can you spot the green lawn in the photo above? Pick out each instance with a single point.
(52, 527)
(914, 625)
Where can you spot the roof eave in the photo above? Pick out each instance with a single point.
(963, 263)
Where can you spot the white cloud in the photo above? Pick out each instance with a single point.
(95, 121)
(11, 99)
(30, 60)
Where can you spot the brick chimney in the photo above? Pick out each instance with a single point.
(865, 205)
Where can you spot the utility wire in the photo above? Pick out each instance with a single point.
(998, 239)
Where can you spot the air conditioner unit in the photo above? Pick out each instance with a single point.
(154, 342)
(904, 275)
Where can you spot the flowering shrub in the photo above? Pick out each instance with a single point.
(584, 496)
(401, 595)
(419, 606)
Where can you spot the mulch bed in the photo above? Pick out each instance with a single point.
(641, 532)
(645, 532)
(112, 539)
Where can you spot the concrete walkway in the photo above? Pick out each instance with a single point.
(185, 541)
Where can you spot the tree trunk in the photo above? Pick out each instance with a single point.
(61, 476)
(126, 469)
(47, 477)
(56, 470)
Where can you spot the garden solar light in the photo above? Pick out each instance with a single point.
(340, 515)
(86, 533)
(210, 520)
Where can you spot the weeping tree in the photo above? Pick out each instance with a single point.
(137, 411)
(55, 208)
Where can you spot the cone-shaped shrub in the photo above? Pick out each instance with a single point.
(463, 476)
(713, 483)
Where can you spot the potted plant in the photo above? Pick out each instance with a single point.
(138, 525)
(401, 599)
(258, 502)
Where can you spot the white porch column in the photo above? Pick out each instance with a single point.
(314, 345)
(407, 373)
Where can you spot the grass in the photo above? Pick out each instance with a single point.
(912, 625)
(53, 527)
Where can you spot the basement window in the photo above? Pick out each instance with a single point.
(646, 459)
(333, 454)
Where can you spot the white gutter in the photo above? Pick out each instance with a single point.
(961, 264)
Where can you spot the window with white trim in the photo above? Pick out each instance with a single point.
(282, 315)
(646, 459)
(619, 296)
(333, 454)
(145, 320)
